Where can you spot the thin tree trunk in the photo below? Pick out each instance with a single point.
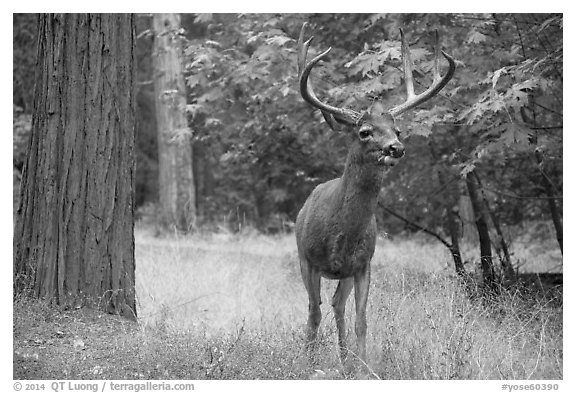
(554, 212)
(176, 177)
(509, 273)
(466, 215)
(508, 269)
(483, 234)
(204, 180)
(546, 184)
(549, 189)
(455, 240)
(451, 206)
(74, 233)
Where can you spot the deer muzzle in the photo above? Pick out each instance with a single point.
(391, 154)
(395, 150)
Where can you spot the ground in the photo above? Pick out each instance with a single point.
(233, 307)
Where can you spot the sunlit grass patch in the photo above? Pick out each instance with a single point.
(219, 283)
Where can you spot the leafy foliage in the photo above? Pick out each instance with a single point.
(259, 149)
(273, 148)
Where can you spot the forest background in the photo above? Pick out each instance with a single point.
(258, 149)
(483, 167)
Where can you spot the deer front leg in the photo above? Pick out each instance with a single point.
(339, 306)
(361, 287)
(311, 280)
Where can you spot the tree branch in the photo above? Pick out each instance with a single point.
(516, 196)
(559, 127)
(417, 226)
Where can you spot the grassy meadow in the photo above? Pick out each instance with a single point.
(244, 294)
(226, 306)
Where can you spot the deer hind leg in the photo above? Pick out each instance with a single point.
(361, 287)
(339, 306)
(311, 280)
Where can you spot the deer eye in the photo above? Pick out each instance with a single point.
(365, 133)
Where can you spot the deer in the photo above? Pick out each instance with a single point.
(336, 226)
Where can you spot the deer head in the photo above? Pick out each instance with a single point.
(375, 128)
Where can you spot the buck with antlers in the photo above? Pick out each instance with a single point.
(336, 227)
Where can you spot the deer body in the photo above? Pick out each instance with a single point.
(336, 227)
(336, 232)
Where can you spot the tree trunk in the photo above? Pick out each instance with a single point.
(176, 177)
(507, 267)
(451, 206)
(549, 189)
(74, 233)
(546, 182)
(455, 239)
(509, 273)
(204, 180)
(466, 214)
(483, 234)
(554, 212)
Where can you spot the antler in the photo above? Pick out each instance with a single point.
(437, 84)
(332, 113)
(306, 90)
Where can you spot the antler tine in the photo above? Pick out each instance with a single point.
(307, 91)
(438, 82)
(407, 62)
(302, 49)
(437, 75)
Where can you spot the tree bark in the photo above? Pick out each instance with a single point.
(74, 232)
(483, 234)
(506, 260)
(177, 196)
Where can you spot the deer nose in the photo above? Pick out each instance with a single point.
(396, 150)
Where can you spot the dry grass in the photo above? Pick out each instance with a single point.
(218, 282)
(243, 294)
(234, 307)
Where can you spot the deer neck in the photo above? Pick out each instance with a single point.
(360, 186)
